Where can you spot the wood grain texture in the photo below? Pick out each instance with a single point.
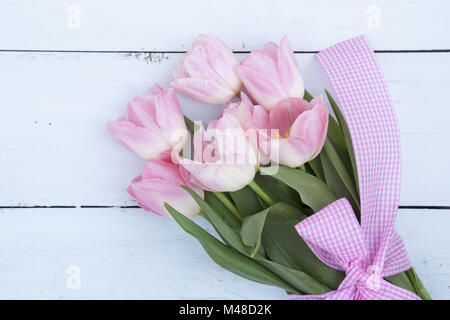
(56, 150)
(121, 254)
(132, 254)
(172, 24)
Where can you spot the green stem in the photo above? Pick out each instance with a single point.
(260, 192)
(189, 124)
(227, 203)
(417, 284)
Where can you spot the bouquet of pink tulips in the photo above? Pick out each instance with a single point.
(273, 158)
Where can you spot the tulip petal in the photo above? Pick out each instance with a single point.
(226, 122)
(289, 71)
(204, 90)
(220, 177)
(180, 71)
(263, 62)
(199, 66)
(170, 117)
(312, 126)
(286, 112)
(141, 111)
(137, 139)
(245, 100)
(162, 170)
(271, 48)
(155, 89)
(152, 193)
(223, 61)
(159, 183)
(295, 151)
(265, 91)
(291, 152)
(260, 117)
(227, 161)
(211, 63)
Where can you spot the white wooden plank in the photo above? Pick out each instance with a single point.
(172, 24)
(120, 253)
(131, 254)
(55, 149)
(425, 233)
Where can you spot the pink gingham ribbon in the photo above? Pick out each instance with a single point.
(370, 251)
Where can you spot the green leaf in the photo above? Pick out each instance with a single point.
(307, 96)
(417, 284)
(226, 232)
(347, 136)
(246, 201)
(410, 281)
(401, 280)
(335, 183)
(341, 171)
(277, 191)
(334, 133)
(283, 245)
(189, 124)
(336, 136)
(228, 258)
(287, 211)
(313, 191)
(298, 279)
(252, 227)
(316, 167)
(223, 211)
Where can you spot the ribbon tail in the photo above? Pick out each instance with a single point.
(388, 291)
(334, 235)
(322, 296)
(348, 293)
(396, 260)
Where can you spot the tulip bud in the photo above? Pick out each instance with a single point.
(224, 159)
(272, 74)
(154, 125)
(298, 130)
(207, 71)
(249, 116)
(159, 183)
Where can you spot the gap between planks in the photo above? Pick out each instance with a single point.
(181, 52)
(137, 207)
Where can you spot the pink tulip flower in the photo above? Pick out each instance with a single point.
(299, 130)
(154, 126)
(160, 182)
(207, 72)
(271, 74)
(249, 116)
(223, 157)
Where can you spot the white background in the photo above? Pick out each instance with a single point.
(68, 67)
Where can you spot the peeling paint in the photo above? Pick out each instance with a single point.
(147, 57)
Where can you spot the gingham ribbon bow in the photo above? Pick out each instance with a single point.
(370, 251)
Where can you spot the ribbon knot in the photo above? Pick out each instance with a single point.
(354, 275)
(336, 238)
(369, 251)
(374, 279)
